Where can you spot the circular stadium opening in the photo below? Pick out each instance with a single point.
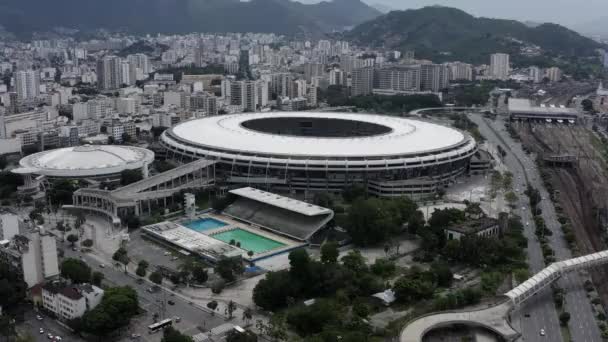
(316, 127)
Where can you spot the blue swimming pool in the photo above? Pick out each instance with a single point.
(204, 224)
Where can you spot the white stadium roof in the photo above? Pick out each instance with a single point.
(227, 133)
(279, 201)
(86, 160)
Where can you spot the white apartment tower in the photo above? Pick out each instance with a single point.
(109, 73)
(460, 71)
(363, 81)
(140, 61)
(499, 66)
(536, 74)
(34, 255)
(27, 84)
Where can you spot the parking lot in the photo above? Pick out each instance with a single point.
(155, 254)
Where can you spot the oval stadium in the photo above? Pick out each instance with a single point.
(312, 151)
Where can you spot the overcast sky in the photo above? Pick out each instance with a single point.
(573, 13)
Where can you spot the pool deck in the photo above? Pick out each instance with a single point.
(233, 224)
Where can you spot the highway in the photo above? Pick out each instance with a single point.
(541, 308)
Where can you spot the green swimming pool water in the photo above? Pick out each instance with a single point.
(249, 241)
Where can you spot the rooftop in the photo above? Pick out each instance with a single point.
(282, 202)
(526, 106)
(85, 160)
(401, 136)
(191, 240)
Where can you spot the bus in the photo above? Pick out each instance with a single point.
(160, 325)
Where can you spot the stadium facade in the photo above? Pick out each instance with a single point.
(310, 151)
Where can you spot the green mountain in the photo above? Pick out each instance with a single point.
(183, 16)
(443, 33)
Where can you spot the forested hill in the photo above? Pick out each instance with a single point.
(183, 16)
(448, 33)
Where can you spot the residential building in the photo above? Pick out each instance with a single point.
(27, 84)
(499, 66)
(536, 74)
(10, 225)
(434, 77)
(70, 301)
(401, 78)
(362, 81)
(460, 71)
(109, 73)
(140, 61)
(337, 77)
(554, 74)
(33, 255)
(312, 70)
(484, 227)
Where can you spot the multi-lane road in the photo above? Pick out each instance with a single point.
(540, 312)
(192, 317)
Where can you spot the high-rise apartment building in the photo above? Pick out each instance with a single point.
(434, 77)
(337, 77)
(536, 74)
(27, 84)
(244, 94)
(109, 73)
(140, 61)
(400, 78)
(362, 81)
(313, 70)
(460, 71)
(34, 256)
(554, 74)
(499, 66)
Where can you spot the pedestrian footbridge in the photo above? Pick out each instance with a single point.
(496, 317)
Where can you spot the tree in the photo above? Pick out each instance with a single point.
(97, 278)
(228, 268)
(247, 336)
(271, 293)
(299, 262)
(117, 307)
(442, 274)
(212, 305)
(75, 270)
(130, 176)
(354, 262)
(353, 192)
(511, 198)
(87, 243)
(170, 334)
(329, 252)
(230, 309)
(473, 210)
(564, 318)
(275, 329)
(61, 191)
(121, 256)
(140, 271)
(383, 268)
(247, 315)
(156, 277)
(587, 105)
(72, 238)
(12, 287)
